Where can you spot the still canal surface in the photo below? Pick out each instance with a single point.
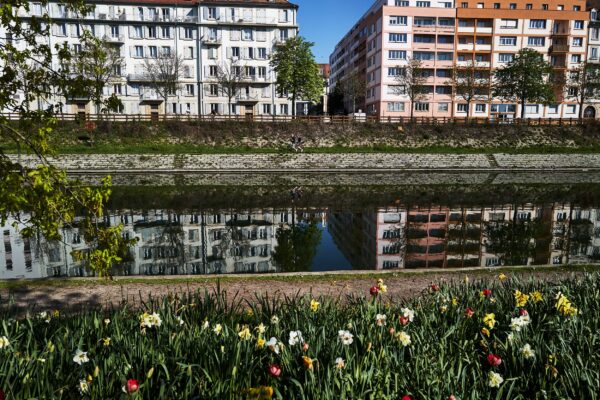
(219, 229)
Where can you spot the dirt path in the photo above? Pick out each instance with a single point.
(64, 297)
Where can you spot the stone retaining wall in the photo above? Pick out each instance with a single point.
(317, 162)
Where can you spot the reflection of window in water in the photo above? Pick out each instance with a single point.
(391, 218)
(390, 264)
(54, 254)
(524, 216)
(391, 234)
(557, 260)
(492, 262)
(193, 235)
(497, 216)
(561, 216)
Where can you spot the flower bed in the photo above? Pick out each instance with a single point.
(483, 340)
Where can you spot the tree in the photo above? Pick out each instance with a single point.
(230, 77)
(42, 200)
(354, 87)
(336, 100)
(584, 82)
(470, 84)
(524, 80)
(164, 73)
(513, 241)
(411, 82)
(297, 246)
(297, 72)
(99, 63)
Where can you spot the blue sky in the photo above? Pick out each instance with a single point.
(326, 21)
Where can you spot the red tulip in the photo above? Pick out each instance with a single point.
(435, 288)
(494, 360)
(523, 312)
(274, 370)
(487, 292)
(374, 291)
(132, 386)
(305, 347)
(451, 397)
(469, 312)
(404, 320)
(406, 397)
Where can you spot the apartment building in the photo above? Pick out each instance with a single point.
(209, 35)
(592, 108)
(443, 34)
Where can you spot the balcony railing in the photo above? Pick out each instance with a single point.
(114, 39)
(211, 39)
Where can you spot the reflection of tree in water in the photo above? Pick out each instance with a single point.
(166, 249)
(580, 236)
(297, 246)
(513, 241)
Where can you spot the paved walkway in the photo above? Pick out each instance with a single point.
(359, 162)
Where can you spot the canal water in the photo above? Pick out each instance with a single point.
(258, 224)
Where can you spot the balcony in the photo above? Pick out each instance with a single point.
(150, 97)
(114, 39)
(483, 47)
(211, 40)
(247, 97)
(559, 48)
(256, 78)
(465, 46)
(138, 78)
(484, 29)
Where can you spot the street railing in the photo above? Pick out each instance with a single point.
(317, 119)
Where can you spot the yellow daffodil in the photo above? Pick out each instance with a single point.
(261, 328)
(536, 296)
(502, 277)
(245, 334)
(521, 298)
(381, 286)
(314, 305)
(307, 362)
(106, 342)
(564, 306)
(260, 342)
(454, 301)
(489, 320)
(485, 331)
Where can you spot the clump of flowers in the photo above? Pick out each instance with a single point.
(345, 337)
(261, 392)
(150, 320)
(485, 293)
(408, 314)
(521, 298)
(244, 333)
(516, 324)
(380, 319)
(381, 286)
(564, 306)
(494, 379)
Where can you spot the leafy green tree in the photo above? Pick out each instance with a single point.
(297, 71)
(525, 80)
(297, 246)
(584, 83)
(42, 199)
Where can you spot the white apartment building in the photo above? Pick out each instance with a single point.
(208, 34)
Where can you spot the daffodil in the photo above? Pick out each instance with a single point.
(380, 319)
(261, 328)
(245, 334)
(80, 357)
(536, 296)
(521, 298)
(564, 306)
(490, 320)
(403, 338)
(273, 345)
(307, 362)
(340, 363)
(260, 342)
(381, 286)
(345, 337)
(150, 320)
(218, 329)
(274, 320)
(494, 379)
(502, 277)
(295, 338)
(408, 313)
(527, 352)
(106, 341)
(4, 342)
(83, 387)
(314, 305)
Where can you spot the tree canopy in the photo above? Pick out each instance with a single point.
(297, 71)
(525, 80)
(43, 200)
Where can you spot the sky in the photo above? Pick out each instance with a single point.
(325, 22)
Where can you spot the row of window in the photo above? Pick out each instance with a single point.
(534, 41)
(397, 106)
(266, 109)
(511, 6)
(400, 20)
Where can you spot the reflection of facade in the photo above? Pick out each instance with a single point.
(168, 243)
(443, 237)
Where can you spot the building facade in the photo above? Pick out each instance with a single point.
(443, 34)
(209, 35)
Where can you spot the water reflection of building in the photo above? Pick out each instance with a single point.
(168, 243)
(457, 237)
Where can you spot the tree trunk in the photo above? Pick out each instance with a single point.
(581, 107)
(294, 105)
(523, 108)
(468, 109)
(229, 107)
(412, 110)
